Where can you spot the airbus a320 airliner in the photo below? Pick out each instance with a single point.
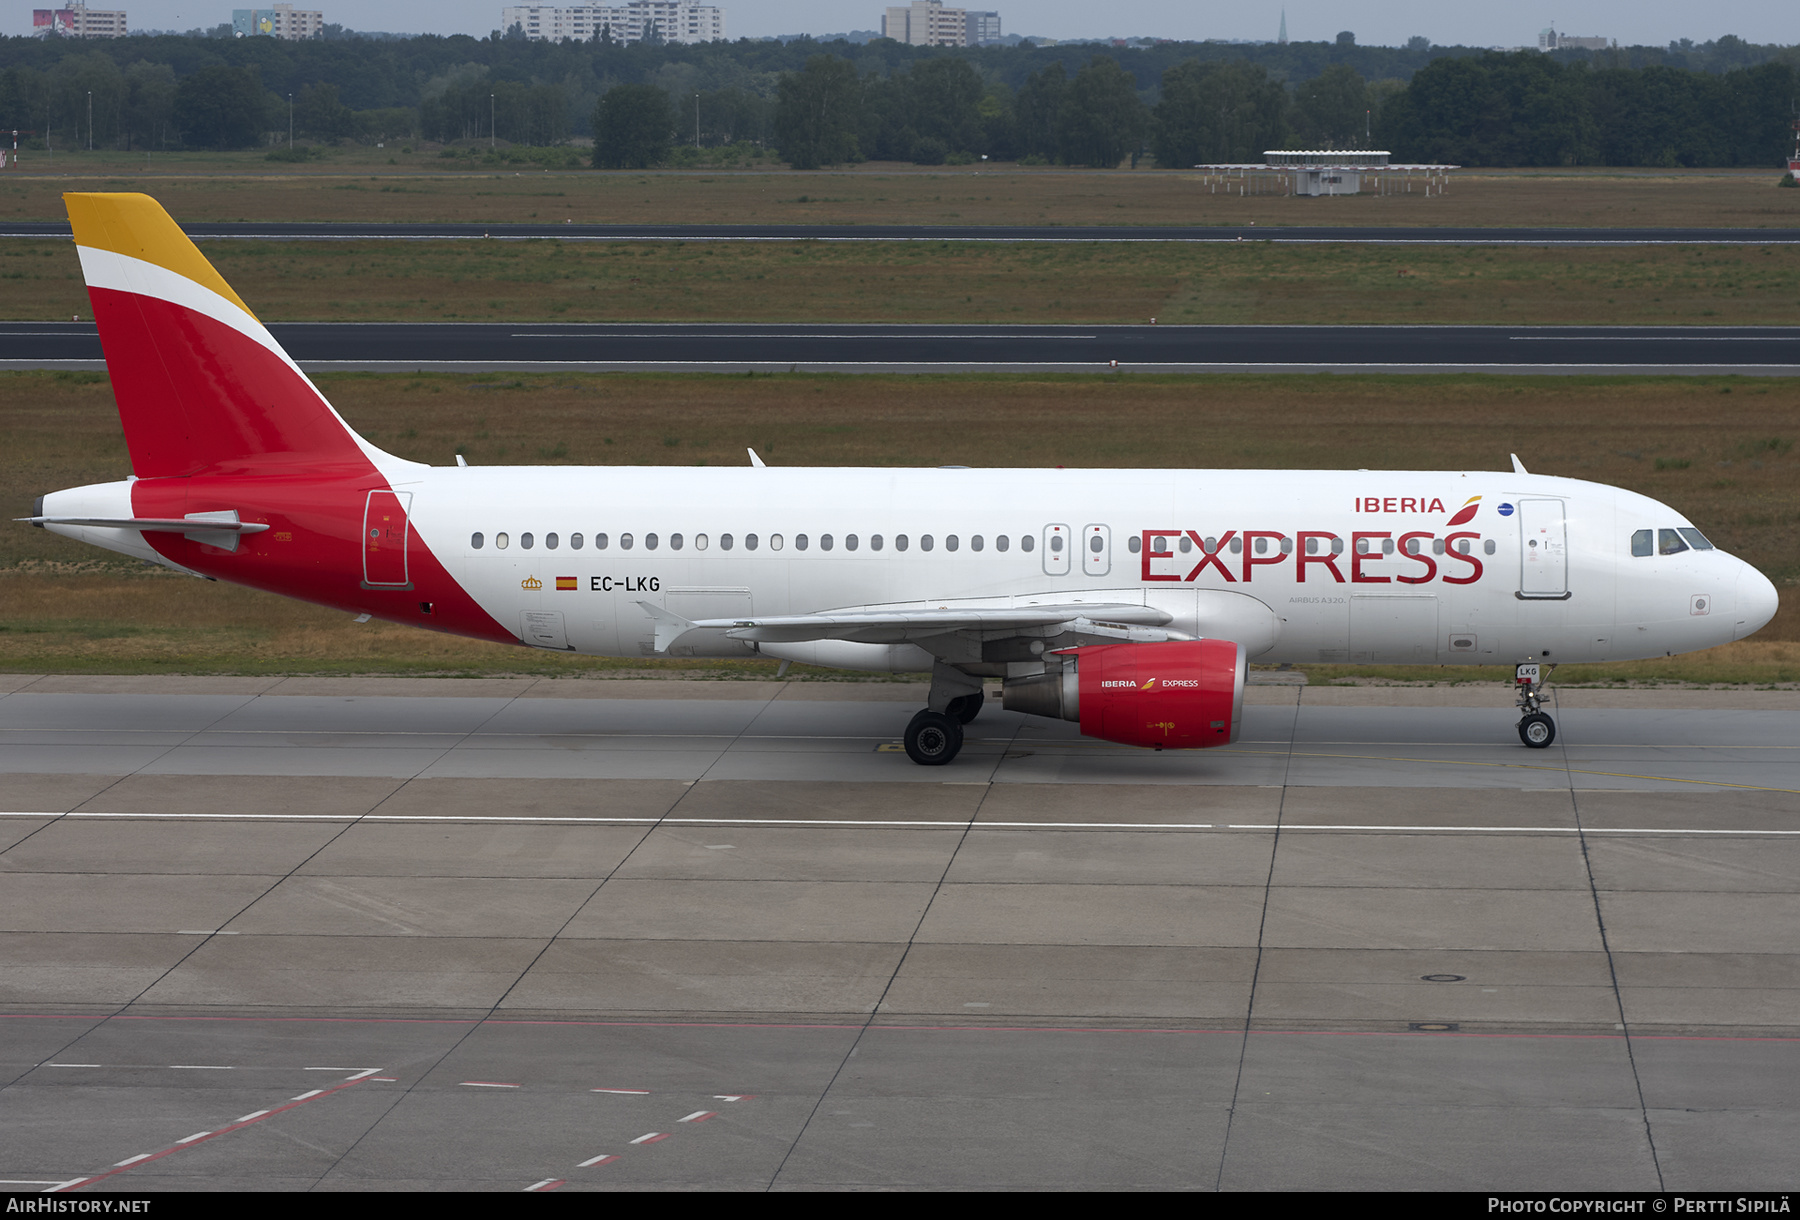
(1128, 600)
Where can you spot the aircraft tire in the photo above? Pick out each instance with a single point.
(964, 708)
(1537, 730)
(933, 738)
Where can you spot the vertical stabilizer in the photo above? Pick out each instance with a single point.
(202, 386)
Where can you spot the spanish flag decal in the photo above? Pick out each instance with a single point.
(565, 582)
(1466, 513)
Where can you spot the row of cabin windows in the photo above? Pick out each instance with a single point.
(751, 542)
(1260, 546)
(1668, 542)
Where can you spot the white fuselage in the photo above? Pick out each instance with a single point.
(1582, 596)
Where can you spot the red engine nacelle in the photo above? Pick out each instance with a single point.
(1183, 694)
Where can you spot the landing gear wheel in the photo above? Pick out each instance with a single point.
(1537, 730)
(933, 738)
(964, 708)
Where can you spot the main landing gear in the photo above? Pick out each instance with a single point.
(1536, 729)
(935, 737)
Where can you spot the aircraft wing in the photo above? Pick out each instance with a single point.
(882, 626)
(903, 624)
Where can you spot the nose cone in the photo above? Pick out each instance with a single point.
(1757, 602)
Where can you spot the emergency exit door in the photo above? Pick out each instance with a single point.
(385, 529)
(1543, 549)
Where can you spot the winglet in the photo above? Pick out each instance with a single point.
(1518, 466)
(669, 627)
(756, 461)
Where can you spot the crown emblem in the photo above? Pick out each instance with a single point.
(531, 582)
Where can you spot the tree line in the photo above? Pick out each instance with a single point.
(1716, 104)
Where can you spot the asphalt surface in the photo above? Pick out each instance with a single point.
(323, 231)
(730, 346)
(504, 934)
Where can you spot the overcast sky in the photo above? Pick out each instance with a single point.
(1385, 22)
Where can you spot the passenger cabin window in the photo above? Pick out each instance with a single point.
(550, 541)
(801, 542)
(926, 542)
(1001, 543)
(674, 542)
(525, 539)
(1695, 538)
(1287, 546)
(975, 543)
(775, 542)
(724, 542)
(899, 542)
(699, 542)
(1135, 544)
(1026, 543)
(1237, 546)
(1668, 542)
(599, 542)
(1187, 544)
(650, 542)
(574, 542)
(624, 542)
(1488, 547)
(475, 541)
(500, 541)
(874, 542)
(850, 542)
(749, 542)
(824, 542)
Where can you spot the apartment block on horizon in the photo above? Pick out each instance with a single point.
(927, 23)
(277, 21)
(672, 20)
(78, 21)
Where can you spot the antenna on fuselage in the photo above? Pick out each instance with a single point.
(1518, 466)
(756, 461)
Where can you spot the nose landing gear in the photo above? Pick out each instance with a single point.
(1536, 729)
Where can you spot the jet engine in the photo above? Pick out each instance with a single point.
(1180, 694)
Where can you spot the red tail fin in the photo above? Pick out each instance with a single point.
(202, 386)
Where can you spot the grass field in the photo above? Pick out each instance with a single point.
(1720, 450)
(963, 282)
(359, 184)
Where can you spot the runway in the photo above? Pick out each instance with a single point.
(1352, 235)
(827, 347)
(360, 934)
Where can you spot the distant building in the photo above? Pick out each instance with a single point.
(78, 21)
(1550, 40)
(277, 21)
(1325, 172)
(927, 23)
(672, 20)
(984, 29)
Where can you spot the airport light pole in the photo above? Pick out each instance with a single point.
(490, 122)
(90, 94)
(696, 120)
(290, 122)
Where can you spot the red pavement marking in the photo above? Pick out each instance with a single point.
(546, 1184)
(603, 1159)
(652, 1138)
(194, 1141)
(699, 1116)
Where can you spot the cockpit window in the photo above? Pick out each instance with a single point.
(1668, 542)
(1695, 538)
(1643, 543)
